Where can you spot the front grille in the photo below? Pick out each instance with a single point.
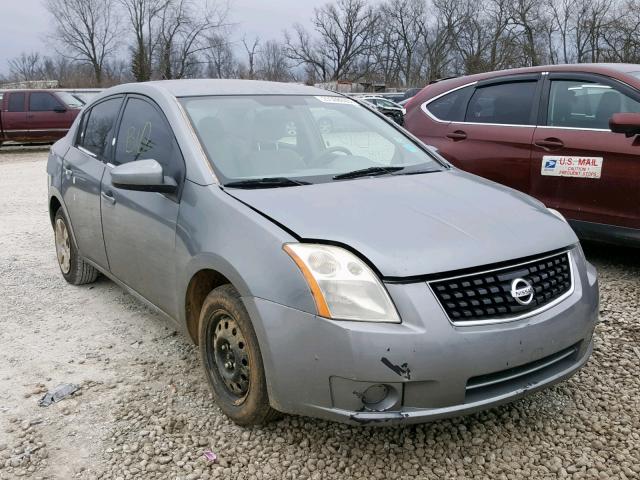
(485, 295)
(485, 386)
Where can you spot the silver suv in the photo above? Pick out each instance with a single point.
(348, 273)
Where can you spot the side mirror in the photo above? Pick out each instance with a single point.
(59, 109)
(627, 123)
(143, 176)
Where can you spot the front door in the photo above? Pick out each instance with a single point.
(48, 118)
(82, 172)
(140, 227)
(494, 140)
(579, 166)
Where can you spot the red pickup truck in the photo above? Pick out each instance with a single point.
(36, 116)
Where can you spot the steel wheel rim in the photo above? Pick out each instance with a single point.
(230, 356)
(63, 246)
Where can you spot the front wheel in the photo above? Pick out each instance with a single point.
(231, 357)
(74, 269)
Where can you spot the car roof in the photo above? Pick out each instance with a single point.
(602, 68)
(205, 87)
(621, 71)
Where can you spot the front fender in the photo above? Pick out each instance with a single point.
(215, 231)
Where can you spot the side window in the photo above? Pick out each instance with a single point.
(43, 102)
(505, 103)
(450, 107)
(145, 134)
(16, 102)
(100, 122)
(579, 104)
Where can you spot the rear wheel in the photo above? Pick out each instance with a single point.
(231, 356)
(74, 269)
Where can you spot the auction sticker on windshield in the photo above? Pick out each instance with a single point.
(564, 166)
(339, 100)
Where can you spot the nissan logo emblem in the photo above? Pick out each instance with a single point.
(522, 291)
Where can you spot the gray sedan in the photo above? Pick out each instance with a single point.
(348, 273)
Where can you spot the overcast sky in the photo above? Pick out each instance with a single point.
(25, 23)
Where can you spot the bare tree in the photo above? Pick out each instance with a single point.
(252, 50)
(272, 63)
(591, 19)
(345, 32)
(387, 56)
(443, 22)
(220, 59)
(561, 12)
(86, 30)
(406, 20)
(183, 28)
(143, 17)
(526, 15)
(26, 67)
(621, 39)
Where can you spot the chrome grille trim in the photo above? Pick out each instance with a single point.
(493, 321)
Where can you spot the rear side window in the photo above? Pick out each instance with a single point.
(43, 102)
(98, 130)
(145, 134)
(505, 103)
(579, 104)
(450, 107)
(16, 102)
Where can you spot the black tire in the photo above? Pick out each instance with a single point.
(223, 317)
(74, 269)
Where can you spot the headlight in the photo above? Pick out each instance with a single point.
(343, 286)
(558, 214)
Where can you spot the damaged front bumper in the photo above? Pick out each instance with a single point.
(424, 368)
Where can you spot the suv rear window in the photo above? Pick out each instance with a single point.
(504, 103)
(450, 107)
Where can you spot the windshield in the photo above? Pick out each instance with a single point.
(70, 100)
(309, 138)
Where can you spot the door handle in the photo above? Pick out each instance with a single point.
(457, 135)
(108, 197)
(67, 171)
(549, 143)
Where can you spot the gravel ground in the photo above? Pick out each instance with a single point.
(144, 411)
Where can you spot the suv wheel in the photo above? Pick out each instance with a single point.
(74, 269)
(232, 360)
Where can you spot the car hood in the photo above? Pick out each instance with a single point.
(412, 225)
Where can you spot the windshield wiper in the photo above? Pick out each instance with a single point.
(366, 172)
(417, 172)
(268, 182)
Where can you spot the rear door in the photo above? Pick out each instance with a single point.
(140, 227)
(579, 166)
(14, 116)
(494, 139)
(48, 117)
(83, 167)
